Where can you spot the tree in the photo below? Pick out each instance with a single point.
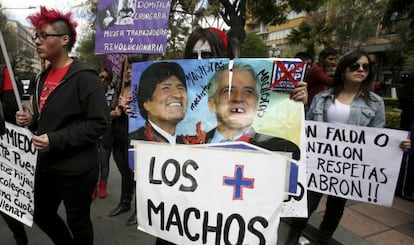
(178, 29)
(86, 45)
(397, 9)
(235, 13)
(399, 19)
(352, 24)
(253, 47)
(312, 34)
(88, 8)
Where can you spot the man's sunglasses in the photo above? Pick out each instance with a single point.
(355, 67)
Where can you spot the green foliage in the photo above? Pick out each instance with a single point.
(408, 64)
(391, 103)
(178, 31)
(351, 23)
(274, 12)
(87, 44)
(397, 9)
(312, 34)
(253, 47)
(392, 118)
(268, 11)
(401, 55)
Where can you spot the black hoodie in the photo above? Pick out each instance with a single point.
(74, 116)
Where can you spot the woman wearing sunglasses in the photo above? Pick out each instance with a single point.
(349, 101)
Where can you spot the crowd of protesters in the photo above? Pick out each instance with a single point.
(75, 142)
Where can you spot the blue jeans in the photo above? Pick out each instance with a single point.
(104, 154)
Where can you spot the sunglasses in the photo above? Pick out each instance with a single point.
(103, 77)
(203, 55)
(356, 66)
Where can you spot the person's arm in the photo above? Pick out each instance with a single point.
(115, 113)
(23, 118)
(405, 145)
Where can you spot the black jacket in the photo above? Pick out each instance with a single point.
(140, 134)
(74, 116)
(406, 99)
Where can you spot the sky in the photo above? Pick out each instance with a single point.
(18, 10)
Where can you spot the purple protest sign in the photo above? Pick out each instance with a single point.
(132, 26)
(114, 62)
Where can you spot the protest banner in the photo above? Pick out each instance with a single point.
(288, 73)
(277, 115)
(353, 162)
(114, 62)
(132, 26)
(225, 198)
(17, 170)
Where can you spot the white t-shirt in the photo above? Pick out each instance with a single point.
(171, 138)
(338, 112)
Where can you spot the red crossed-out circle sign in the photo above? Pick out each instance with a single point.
(287, 74)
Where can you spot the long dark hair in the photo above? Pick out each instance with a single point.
(216, 43)
(345, 62)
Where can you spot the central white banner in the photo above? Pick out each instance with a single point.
(194, 195)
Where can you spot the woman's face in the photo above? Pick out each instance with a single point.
(105, 80)
(358, 71)
(202, 50)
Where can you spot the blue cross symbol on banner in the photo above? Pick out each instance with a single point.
(238, 182)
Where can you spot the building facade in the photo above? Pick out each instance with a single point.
(22, 50)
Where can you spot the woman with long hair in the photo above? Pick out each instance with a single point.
(349, 101)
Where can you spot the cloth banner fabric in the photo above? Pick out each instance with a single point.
(132, 26)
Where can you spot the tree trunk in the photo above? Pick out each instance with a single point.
(235, 16)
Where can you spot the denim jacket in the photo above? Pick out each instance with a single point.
(361, 114)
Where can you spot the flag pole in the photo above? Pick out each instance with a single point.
(9, 67)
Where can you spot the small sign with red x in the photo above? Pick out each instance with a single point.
(287, 73)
